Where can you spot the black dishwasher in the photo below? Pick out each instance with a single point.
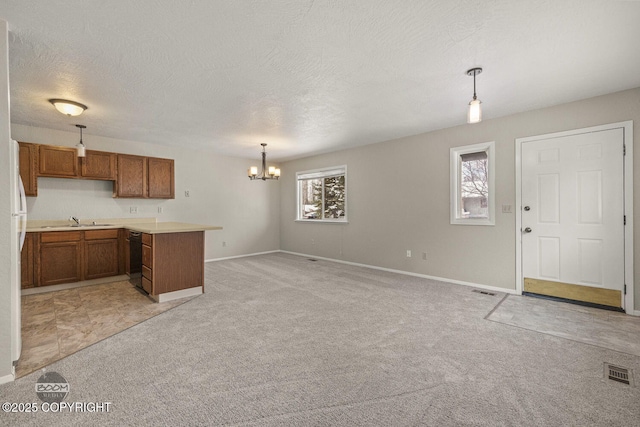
(135, 258)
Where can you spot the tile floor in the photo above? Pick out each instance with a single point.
(57, 324)
(602, 328)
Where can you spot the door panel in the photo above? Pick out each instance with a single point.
(573, 187)
(549, 198)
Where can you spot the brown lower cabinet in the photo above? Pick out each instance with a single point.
(52, 258)
(27, 272)
(172, 261)
(60, 257)
(101, 254)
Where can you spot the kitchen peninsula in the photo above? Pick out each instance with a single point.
(61, 252)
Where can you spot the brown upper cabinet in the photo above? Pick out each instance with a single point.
(145, 177)
(98, 165)
(61, 162)
(134, 176)
(29, 167)
(161, 178)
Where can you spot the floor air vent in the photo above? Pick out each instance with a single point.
(616, 373)
(484, 292)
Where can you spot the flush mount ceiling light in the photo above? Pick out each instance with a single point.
(474, 114)
(69, 108)
(80, 148)
(271, 173)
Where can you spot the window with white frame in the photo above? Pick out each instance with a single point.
(473, 184)
(322, 194)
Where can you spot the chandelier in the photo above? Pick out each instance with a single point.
(271, 173)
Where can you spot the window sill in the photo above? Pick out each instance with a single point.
(472, 222)
(323, 221)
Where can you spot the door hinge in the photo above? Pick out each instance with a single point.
(624, 149)
(625, 288)
(624, 221)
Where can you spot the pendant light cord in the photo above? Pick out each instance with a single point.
(474, 85)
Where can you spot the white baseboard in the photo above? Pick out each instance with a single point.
(240, 256)
(408, 273)
(182, 293)
(7, 379)
(635, 313)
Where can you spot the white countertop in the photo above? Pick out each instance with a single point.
(144, 225)
(170, 227)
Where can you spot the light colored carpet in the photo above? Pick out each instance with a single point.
(280, 340)
(608, 329)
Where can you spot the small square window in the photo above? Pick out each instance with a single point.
(472, 184)
(322, 195)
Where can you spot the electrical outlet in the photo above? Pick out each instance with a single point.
(313, 241)
(424, 256)
(224, 244)
(186, 193)
(506, 208)
(408, 253)
(133, 209)
(160, 210)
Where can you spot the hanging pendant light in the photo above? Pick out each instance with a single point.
(474, 115)
(80, 147)
(271, 173)
(69, 108)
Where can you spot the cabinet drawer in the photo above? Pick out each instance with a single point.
(147, 258)
(146, 239)
(146, 272)
(146, 285)
(100, 234)
(60, 236)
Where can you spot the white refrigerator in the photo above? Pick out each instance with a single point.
(18, 233)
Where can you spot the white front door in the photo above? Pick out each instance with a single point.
(573, 215)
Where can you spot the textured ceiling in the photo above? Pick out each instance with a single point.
(307, 76)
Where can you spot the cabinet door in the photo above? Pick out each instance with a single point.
(132, 176)
(58, 161)
(101, 258)
(98, 165)
(60, 263)
(101, 255)
(161, 178)
(60, 257)
(29, 167)
(27, 263)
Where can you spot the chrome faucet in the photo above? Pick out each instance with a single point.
(76, 220)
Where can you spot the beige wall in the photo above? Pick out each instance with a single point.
(220, 194)
(398, 196)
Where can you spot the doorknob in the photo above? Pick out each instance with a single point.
(527, 230)
(527, 208)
